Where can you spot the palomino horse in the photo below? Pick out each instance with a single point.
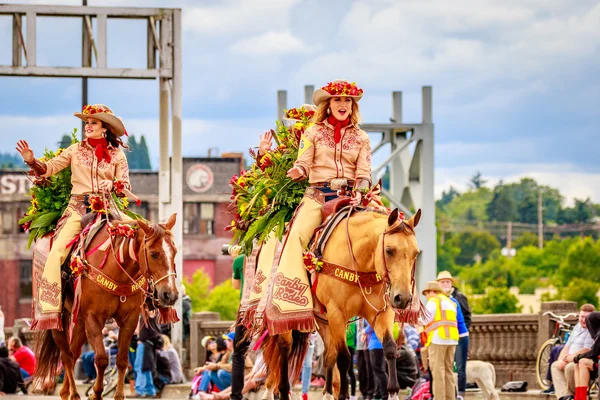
(368, 242)
(153, 246)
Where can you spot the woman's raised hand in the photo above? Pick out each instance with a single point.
(25, 151)
(265, 142)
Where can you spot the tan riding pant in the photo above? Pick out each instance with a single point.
(564, 381)
(50, 288)
(441, 363)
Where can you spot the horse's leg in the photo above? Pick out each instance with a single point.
(384, 324)
(126, 330)
(69, 390)
(93, 329)
(77, 340)
(334, 338)
(284, 342)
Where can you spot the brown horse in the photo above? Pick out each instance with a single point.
(153, 246)
(379, 244)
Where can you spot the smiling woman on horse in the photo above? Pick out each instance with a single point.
(96, 164)
(334, 155)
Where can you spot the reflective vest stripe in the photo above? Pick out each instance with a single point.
(438, 324)
(443, 319)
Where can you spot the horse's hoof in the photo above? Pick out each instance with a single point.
(393, 396)
(329, 396)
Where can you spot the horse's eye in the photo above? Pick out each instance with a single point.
(390, 251)
(154, 254)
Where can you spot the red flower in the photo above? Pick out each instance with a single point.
(26, 226)
(233, 180)
(97, 205)
(266, 162)
(118, 186)
(342, 88)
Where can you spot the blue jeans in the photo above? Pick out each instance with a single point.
(307, 368)
(25, 374)
(87, 359)
(220, 378)
(460, 358)
(144, 385)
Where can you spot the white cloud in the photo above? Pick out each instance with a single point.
(270, 43)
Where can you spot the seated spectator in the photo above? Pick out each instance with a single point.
(11, 379)
(218, 373)
(252, 381)
(23, 356)
(586, 364)
(87, 359)
(173, 374)
(580, 341)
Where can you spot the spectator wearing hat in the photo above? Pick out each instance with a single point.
(442, 338)
(463, 315)
(219, 373)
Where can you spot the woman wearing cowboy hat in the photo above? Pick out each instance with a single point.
(334, 154)
(96, 163)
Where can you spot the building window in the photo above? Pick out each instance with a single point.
(8, 221)
(198, 218)
(25, 281)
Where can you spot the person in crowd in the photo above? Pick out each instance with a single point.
(219, 374)
(240, 347)
(2, 335)
(442, 339)
(174, 374)
(446, 281)
(378, 365)
(110, 341)
(363, 363)
(563, 369)
(307, 366)
(318, 369)
(351, 343)
(11, 379)
(407, 367)
(23, 356)
(186, 306)
(586, 364)
(144, 366)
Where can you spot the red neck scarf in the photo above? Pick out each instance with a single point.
(101, 149)
(338, 125)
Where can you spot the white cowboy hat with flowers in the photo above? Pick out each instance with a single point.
(104, 114)
(337, 88)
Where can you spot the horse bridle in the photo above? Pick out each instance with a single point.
(149, 277)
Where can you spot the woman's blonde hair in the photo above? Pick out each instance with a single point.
(321, 113)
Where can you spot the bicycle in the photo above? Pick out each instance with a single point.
(562, 330)
(111, 374)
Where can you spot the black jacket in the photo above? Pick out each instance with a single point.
(464, 305)
(10, 376)
(593, 326)
(406, 366)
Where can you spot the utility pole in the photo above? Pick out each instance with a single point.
(509, 238)
(86, 60)
(540, 221)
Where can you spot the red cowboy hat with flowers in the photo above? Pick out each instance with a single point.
(337, 88)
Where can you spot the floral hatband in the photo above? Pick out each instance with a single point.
(343, 88)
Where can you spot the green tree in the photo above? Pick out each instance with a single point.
(473, 243)
(582, 260)
(582, 291)
(133, 155)
(446, 257)
(144, 156)
(502, 207)
(225, 300)
(497, 301)
(477, 181)
(525, 239)
(198, 290)
(65, 142)
(582, 212)
(447, 197)
(471, 204)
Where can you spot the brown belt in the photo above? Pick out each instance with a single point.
(327, 185)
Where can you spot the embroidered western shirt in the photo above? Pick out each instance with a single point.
(323, 159)
(86, 171)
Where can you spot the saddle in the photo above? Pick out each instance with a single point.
(333, 206)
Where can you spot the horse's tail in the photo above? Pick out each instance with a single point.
(48, 358)
(272, 358)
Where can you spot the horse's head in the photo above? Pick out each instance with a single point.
(157, 259)
(397, 254)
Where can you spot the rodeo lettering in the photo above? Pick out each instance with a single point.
(106, 283)
(350, 276)
(289, 290)
(258, 280)
(50, 293)
(138, 285)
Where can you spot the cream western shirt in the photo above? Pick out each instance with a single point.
(86, 171)
(323, 159)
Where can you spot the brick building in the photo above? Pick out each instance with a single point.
(206, 195)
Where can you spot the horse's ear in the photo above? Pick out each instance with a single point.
(171, 221)
(144, 226)
(414, 221)
(393, 218)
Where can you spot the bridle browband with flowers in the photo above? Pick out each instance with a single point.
(343, 88)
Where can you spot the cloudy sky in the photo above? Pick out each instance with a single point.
(516, 86)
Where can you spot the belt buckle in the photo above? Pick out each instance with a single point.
(338, 183)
